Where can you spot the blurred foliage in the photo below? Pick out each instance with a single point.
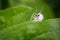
(16, 22)
(4, 4)
(54, 4)
(0, 4)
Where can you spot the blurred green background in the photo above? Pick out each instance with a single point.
(54, 4)
(16, 20)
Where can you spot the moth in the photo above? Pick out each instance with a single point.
(38, 17)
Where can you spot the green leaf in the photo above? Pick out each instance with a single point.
(17, 15)
(13, 16)
(47, 30)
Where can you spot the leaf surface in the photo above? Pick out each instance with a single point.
(47, 30)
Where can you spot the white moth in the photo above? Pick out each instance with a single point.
(38, 17)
